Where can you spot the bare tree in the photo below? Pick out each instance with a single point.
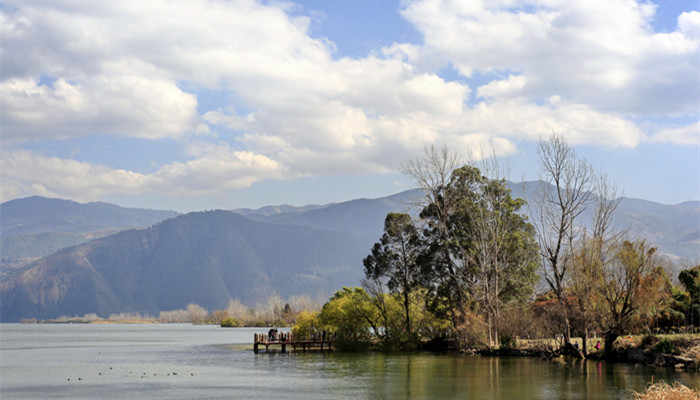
(197, 314)
(565, 192)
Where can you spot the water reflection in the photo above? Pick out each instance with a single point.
(419, 376)
(36, 361)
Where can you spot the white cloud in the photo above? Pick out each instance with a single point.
(122, 105)
(134, 68)
(688, 135)
(215, 168)
(600, 53)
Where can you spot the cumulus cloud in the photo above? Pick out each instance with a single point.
(136, 68)
(121, 105)
(216, 168)
(683, 135)
(603, 54)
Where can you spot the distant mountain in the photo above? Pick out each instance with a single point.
(361, 217)
(674, 229)
(35, 227)
(275, 210)
(39, 214)
(206, 258)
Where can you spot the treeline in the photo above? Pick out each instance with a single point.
(273, 312)
(472, 270)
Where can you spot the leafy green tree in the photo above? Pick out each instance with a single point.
(351, 318)
(393, 261)
(690, 278)
(307, 324)
(485, 255)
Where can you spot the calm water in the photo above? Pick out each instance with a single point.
(141, 362)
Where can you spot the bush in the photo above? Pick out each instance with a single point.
(307, 324)
(230, 323)
(508, 342)
(665, 345)
(472, 333)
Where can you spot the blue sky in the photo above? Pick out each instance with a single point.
(202, 104)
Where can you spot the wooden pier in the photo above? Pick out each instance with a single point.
(284, 341)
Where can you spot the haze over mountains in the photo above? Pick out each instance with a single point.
(151, 261)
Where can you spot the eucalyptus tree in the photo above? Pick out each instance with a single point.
(394, 260)
(492, 242)
(432, 174)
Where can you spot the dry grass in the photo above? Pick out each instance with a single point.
(664, 391)
(694, 353)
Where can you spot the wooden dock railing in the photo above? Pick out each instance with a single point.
(284, 339)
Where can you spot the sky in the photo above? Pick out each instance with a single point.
(204, 104)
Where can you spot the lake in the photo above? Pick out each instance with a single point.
(173, 361)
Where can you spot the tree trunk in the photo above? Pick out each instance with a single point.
(584, 342)
(407, 308)
(609, 339)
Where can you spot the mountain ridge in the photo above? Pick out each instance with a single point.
(210, 257)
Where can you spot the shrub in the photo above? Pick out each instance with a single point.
(472, 333)
(665, 345)
(230, 323)
(507, 341)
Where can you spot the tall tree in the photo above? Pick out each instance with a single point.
(593, 251)
(496, 242)
(432, 175)
(393, 260)
(564, 195)
(487, 254)
(690, 278)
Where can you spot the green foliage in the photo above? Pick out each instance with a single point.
(394, 261)
(507, 341)
(664, 345)
(307, 324)
(482, 252)
(690, 278)
(231, 323)
(349, 315)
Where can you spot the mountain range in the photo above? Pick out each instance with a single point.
(102, 258)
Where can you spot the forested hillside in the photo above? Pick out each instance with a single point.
(206, 258)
